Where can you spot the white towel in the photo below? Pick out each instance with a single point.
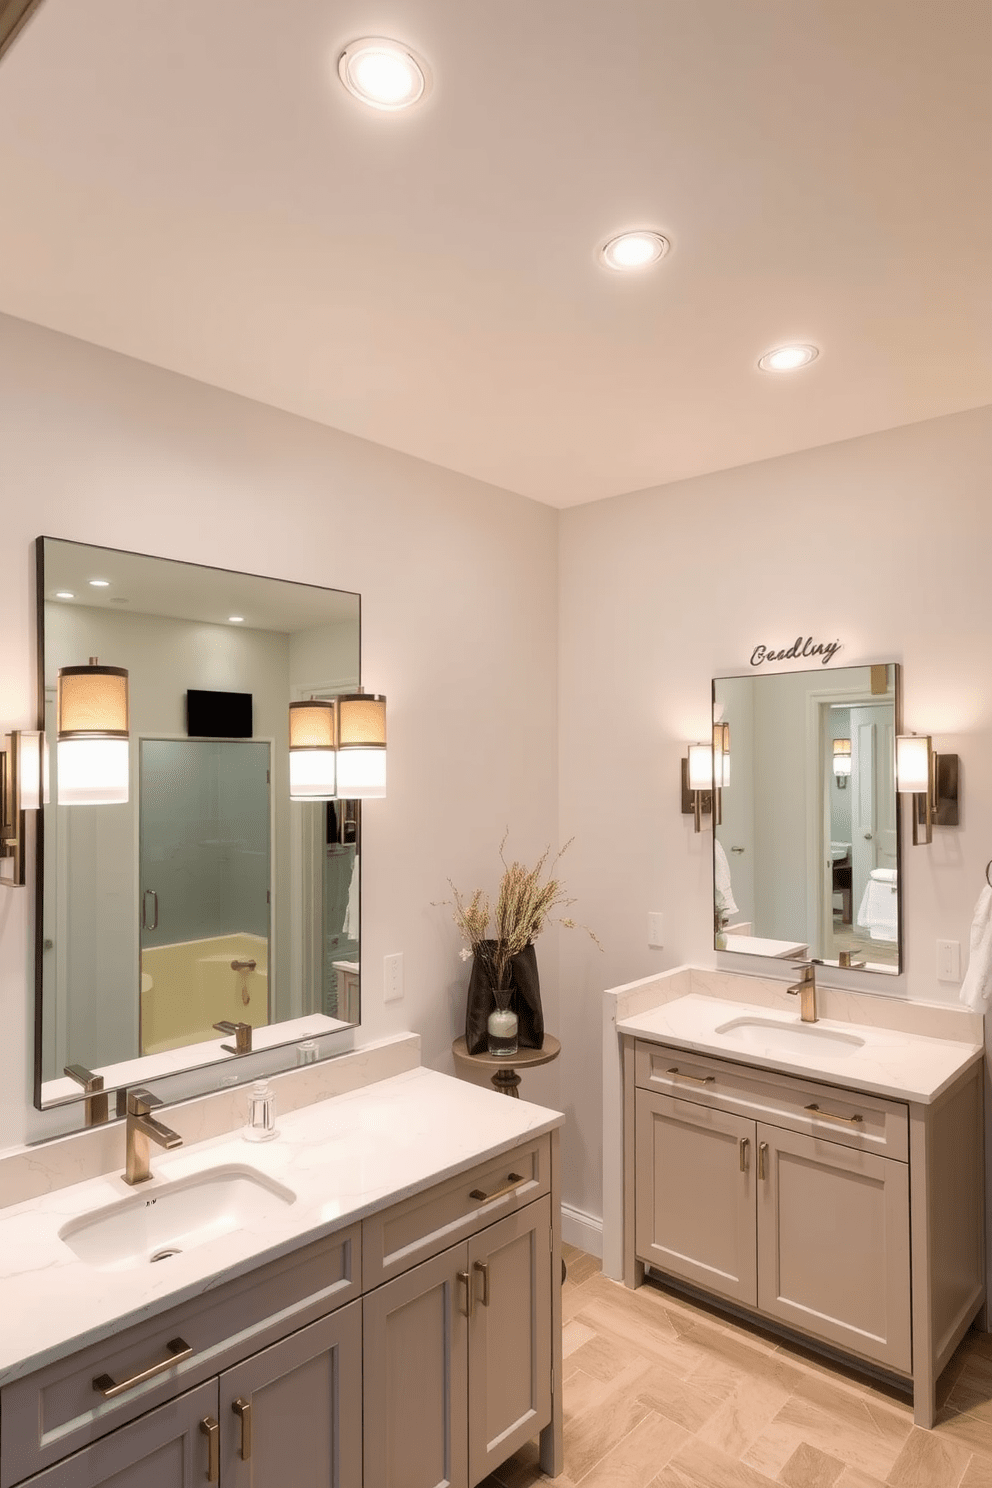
(722, 891)
(976, 989)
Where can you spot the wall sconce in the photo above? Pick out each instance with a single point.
(22, 789)
(842, 762)
(93, 768)
(931, 779)
(361, 746)
(313, 750)
(697, 783)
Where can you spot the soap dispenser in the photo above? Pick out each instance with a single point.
(261, 1126)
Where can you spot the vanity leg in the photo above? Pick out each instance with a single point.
(633, 1269)
(552, 1437)
(920, 1197)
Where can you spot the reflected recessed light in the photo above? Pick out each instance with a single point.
(788, 358)
(236, 619)
(64, 594)
(634, 250)
(384, 74)
(99, 583)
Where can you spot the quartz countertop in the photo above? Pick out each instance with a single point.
(907, 1066)
(343, 1158)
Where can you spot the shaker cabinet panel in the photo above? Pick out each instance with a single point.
(168, 1448)
(833, 1245)
(416, 1385)
(694, 1204)
(291, 1416)
(509, 1350)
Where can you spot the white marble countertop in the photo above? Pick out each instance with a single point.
(343, 1158)
(907, 1066)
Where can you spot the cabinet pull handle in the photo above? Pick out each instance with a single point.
(830, 1116)
(515, 1181)
(696, 1079)
(108, 1388)
(211, 1431)
(466, 1281)
(483, 1269)
(242, 1409)
(745, 1145)
(762, 1153)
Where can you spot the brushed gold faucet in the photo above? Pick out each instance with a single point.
(142, 1127)
(806, 987)
(96, 1104)
(242, 1036)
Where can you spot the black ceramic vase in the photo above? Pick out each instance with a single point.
(525, 1000)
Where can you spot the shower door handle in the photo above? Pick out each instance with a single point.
(144, 910)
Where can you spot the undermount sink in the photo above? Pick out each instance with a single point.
(774, 1037)
(165, 1221)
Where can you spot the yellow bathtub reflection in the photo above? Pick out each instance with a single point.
(188, 987)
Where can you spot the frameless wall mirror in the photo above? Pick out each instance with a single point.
(806, 835)
(179, 886)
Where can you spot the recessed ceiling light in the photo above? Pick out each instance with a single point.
(384, 74)
(64, 594)
(99, 583)
(788, 358)
(634, 250)
(236, 619)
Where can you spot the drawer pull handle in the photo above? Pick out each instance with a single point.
(483, 1269)
(515, 1181)
(242, 1409)
(829, 1116)
(745, 1145)
(211, 1431)
(466, 1281)
(762, 1154)
(696, 1079)
(109, 1388)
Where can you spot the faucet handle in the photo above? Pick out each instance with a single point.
(140, 1102)
(242, 1036)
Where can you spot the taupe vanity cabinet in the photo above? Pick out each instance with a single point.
(851, 1218)
(414, 1348)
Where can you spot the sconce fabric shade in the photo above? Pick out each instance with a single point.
(913, 771)
(721, 754)
(313, 750)
(93, 749)
(361, 746)
(842, 757)
(700, 767)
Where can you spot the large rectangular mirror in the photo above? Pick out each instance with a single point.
(806, 835)
(207, 895)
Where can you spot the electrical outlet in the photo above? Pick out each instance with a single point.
(392, 967)
(948, 960)
(656, 929)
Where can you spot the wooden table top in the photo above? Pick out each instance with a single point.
(520, 1060)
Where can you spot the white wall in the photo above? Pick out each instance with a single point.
(882, 542)
(458, 584)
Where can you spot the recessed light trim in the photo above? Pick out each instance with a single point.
(64, 594)
(634, 250)
(99, 583)
(788, 358)
(384, 74)
(236, 619)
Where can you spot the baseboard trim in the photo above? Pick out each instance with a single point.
(582, 1230)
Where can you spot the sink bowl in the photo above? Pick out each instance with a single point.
(773, 1037)
(168, 1220)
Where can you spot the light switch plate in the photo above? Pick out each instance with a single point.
(392, 977)
(656, 929)
(948, 960)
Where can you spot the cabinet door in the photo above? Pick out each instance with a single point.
(165, 1449)
(291, 1416)
(509, 1347)
(694, 1186)
(416, 1387)
(833, 1244)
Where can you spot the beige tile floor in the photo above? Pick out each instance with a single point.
(662, 1393)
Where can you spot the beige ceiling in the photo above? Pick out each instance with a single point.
(187, 182)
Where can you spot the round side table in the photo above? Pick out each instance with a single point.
(504, 1066)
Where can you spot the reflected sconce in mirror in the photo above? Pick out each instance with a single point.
(932, 781)
(361, 746)
(93, 732)
(313, 750)
(842, 762)
(721, 768)
(23, 788)
(697, 783)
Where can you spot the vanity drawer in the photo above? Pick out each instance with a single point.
(426, 1223)
(59, 1409)
(871, 1123)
